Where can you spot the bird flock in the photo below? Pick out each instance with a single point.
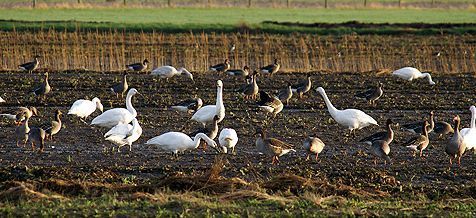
(124, 128)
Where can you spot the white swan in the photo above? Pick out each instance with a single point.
(115, 116)
(469, 134)
(228, 139)
(124, 134)
(205, 114)
(1, 100)
(410, 73)
(178, 141)
(169, 72)
(83, 108)
(353, 119)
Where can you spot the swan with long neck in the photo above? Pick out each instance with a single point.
(469, 134)
(411, 73)
(353, 119)
(115, 116)
(166, 72)
(178, 142)
(124, 134)
(83, 108)
(205, 114)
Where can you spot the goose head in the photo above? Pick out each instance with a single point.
(379, 85)
(227, 61)
(145, 62)
(199, 102)
(276, 61)
(34, 111)
(98, 104)
(37, 57)
(246, 68)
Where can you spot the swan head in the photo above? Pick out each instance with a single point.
(187, 73)
(98, 104)
(219, 84)
(133, 91)
(321, 90)
(472, 108)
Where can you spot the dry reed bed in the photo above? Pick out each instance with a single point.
(110, 51)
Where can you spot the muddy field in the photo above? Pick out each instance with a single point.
(79, 153)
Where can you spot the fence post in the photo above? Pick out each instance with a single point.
(208, 3)
(325, 3)
(79, 1)
(34, 3)
(249, 3)
(288, 3)
(124, 2)
(365, 3)
(169, 3)
(399, 3)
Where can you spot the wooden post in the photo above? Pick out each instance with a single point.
(365, 3)
(208, 3)
(249, 3)
(288, 3)
(399, 3)
(432, 3)
(169, 3)
(34, 3)
(79, 1)
(325, 3)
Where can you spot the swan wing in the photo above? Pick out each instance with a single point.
(113, 117)
(171, 141)
(82, 108)
(164, 71)
(469, 137)
(205, 113)
(121, 128)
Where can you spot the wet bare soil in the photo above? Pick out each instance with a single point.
(79, 152)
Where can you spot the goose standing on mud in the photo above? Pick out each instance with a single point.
(271, 69)
(410, 73)
(138, 66)
(469, 134)
(301, 88)
(417, 128)
(124, 134)
(83, 108)
(314, 146)
(353, 119)
(178, 142)
(206, 114)
(54, 126)
(285, 94)
(385, 135)
(442, 128)
(270, 104)
(20, 114)
(381, 147)
(250, 90)
(420, 142)
(189, 105)
(30, 66)
(120, 88)
(456, 146)
(166, 72)
(21, 132)
(228, 140)
(272, 147)
(37, 136)
(221, 67)
(43, 89)
(372, 94)
(115, 116)
(239, 72)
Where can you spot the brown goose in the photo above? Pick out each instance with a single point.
(420, 142)
(385, 135)
(285, 94)
(272, 147)
(20, 114)
(53, 127)
(211, 132)
(455, 147)
(37, 136)
(250, 91)
(189, 105)
(120, 88)
(138, 66)
(372, 94)
(442, 128)
(21, 132)
(43, 89)
(313, 145)
(381, 146)
(270, 104)
(238, 72)
(271, 69)
(222, 67)
(301, 88)
(417, 127)
(30, 66)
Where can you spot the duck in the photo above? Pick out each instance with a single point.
(456, 147)
(124, 134)
(21, 132)
(270, 104)
(120, 88)
(211, 131)
(417, 128)
(166, 72)
(205, 114)
(30, 66)
(239, 72)
(385, 135)
(411, 73)
(138, 66)
(83, 108)
(189, 105)
(37, 136)
(221, 67)
(20, 114)
(353, 119)
(271, 146)
(371, 95)
(285, 94)
(420, 142)
(301, 88)
(469, 134)
(179, 142)
(314, 146)
(115, 116)
(228, 140)
(54, 126)
(272, 68)
(250, 90)
(43, 89)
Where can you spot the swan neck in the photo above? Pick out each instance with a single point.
(329, 105)
(219, 102)
(473, 121)
(129, 105)
(428, 76)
